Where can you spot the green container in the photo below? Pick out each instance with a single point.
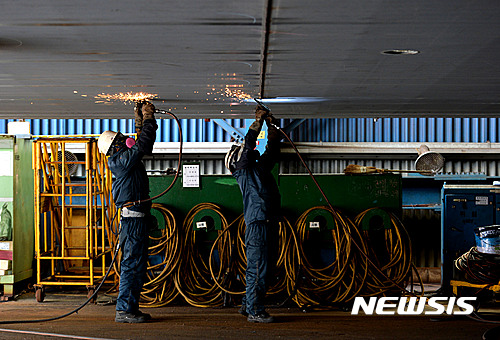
(17, 205)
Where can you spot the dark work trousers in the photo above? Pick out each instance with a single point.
(134, 238)
(258, 236)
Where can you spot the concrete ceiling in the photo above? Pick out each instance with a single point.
(318, 58)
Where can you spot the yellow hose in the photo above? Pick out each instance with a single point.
(193, 278)
(394, 261)
(339, 281)
(202, 281)
(159, 288)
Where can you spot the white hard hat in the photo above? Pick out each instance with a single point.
(105, 140)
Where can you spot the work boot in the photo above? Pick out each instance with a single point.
(122, 316)
(146, 316)
(263, 317)
(243, 310)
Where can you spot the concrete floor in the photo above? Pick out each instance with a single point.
(183, 322)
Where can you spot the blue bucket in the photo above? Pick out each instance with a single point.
(488, 239)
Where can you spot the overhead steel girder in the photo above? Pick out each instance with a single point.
(239, 135)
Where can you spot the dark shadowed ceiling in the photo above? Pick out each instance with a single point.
(318, 58)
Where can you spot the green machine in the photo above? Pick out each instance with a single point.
(16, 212)
(350, 193)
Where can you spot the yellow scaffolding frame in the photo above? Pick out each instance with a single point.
(74, 226)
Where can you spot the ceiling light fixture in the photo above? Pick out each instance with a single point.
(398, 52)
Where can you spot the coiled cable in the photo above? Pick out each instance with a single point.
(159, 288)
(339, 281)
(479, 267)
(355, 242)
(235, 269)
(193, 279)
(392, 254)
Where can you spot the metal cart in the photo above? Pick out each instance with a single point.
(74, 225)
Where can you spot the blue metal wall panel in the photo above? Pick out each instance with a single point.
(475, 130)
(194, 130)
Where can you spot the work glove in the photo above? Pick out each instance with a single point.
(272, 132)
(148, 111)
(260, 114)
(256, 126)
(138, 115)
(270, 120)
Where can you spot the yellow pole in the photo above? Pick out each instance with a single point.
(88, 209)
(63, 202)
(36, 168)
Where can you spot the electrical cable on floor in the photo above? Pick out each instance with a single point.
(483, 269)
(76, 309)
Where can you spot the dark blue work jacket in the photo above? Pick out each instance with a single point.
(261, 197)
(131, 180)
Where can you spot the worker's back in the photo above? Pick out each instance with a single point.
(261, 197)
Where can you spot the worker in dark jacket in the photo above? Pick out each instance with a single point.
(131, 185)
(261, 206)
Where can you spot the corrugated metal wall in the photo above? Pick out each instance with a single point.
(312, 130)
(424, 227)
(194, 130)
(471, 130)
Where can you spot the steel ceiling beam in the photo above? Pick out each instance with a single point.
(266, 25)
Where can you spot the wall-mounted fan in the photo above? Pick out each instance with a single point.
(69, 162)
